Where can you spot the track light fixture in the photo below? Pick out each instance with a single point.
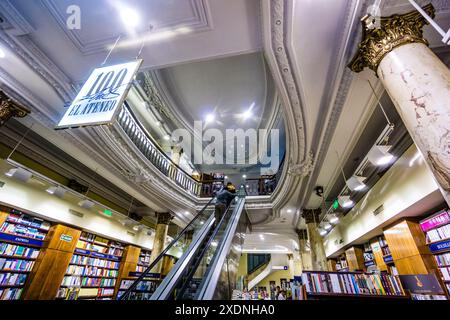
(19, 174)
(345, 201)
(86, 204)
(57, 191)
(355, 183)
(380, 156)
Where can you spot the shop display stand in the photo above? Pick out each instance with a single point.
(21, 238)
(323, 284)
(93, 269)
(437, 232)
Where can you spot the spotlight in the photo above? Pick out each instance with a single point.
(226, 177)
(210, 118)
(244, 176)
(56, 191)
(129, 17)
(327, 226)
(289, 211)
(379, 155)
(136, 228)
(261, 237)
(355, 183)
(322, 232)
(345, 201)
(334, 219)
(2, 53)
(319, 191)
(186, 212)
(167, 137)
(19, 174)
(86, 204)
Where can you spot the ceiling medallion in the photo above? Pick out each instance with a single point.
(393, 32)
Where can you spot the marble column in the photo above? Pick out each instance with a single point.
(317, 251)
(159, 241)
(305, 256)
(10, 108)
(418, 83)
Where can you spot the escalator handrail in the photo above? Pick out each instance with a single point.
(210, 240)
(161, 255)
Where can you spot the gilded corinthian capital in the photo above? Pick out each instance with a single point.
(392, 32)
(10, 108)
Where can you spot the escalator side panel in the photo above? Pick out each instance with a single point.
(220, 272)
(167, 286)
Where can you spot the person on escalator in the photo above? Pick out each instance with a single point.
(223, 200)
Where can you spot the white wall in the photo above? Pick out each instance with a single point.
(403, 186)
(33, 198)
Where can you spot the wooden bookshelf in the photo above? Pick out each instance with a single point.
(331, 263)
(409, 250)
(325, 284)
(130, 262)
(355, 259)
(378, 254)
(341, 263)
(21, 239)
(93, 269)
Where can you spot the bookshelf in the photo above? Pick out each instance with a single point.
(144, 289)
(355, 259)
(341, 263)
(323, 284)
(21, 238)
(144, 260)
(93, 269)
(369, 257)
(437, 236)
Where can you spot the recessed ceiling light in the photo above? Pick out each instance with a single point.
(322, 232)
(327, 226)
(2, 53)
(158, 123)
(167, 137)
(226, 177)
(130, 17)
(186, 212)
(244, 176)
(289, 211)
(334, 219)
(136, 228)
(261, 237)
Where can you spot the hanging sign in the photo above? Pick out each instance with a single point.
(101, 96)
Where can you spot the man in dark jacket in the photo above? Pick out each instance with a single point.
(223, 200)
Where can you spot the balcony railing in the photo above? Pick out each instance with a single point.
(141, 139)
(264, 185)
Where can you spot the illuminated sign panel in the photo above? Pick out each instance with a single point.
(101, 96)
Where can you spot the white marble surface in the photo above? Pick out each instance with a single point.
(419, 85)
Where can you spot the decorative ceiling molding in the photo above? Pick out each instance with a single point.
(199, 21)
(18, 24)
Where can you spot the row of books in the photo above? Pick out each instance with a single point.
(144, 258)
(352, 283)
(96, 262)
(90, 237)
(16, 265)
(12, 279)
(87, 282)
(136, 295)
(443, 259)
(440, 233)
(10, 293)
(21, 230)
(144, 285)
(382, 241)
(105, 292)
(99, 248)
(13, 250)
(386, 251)
(27, 220)
(445, 273)
(90, 271)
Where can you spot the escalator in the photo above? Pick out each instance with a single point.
(208, 266)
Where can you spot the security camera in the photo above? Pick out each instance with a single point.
(319, 191)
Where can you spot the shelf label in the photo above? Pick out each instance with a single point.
(66, 238)
(99, 255)
(388, 258)
(149, 275)
(114, 258)
(435, 221)
(439, 246)
(369, 263)
(78, 250)
(19, 239)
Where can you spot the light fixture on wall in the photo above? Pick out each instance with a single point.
(380, 156)
(19, 174)
(322, 232)
(355, 183)
(345, 201)
(56, 191)
(86, 204)
(327, 226)
(334, 219)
